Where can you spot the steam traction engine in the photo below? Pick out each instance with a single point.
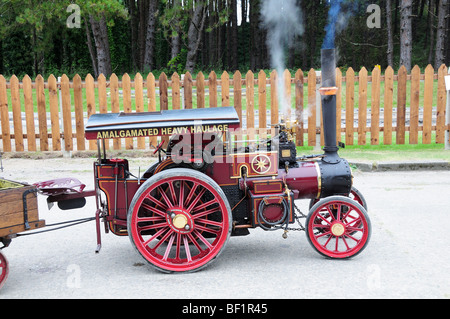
(181, 212)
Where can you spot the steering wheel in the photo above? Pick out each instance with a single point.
(158, 147)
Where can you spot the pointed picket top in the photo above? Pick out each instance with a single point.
(101, 77)
(224, 76)
(212, 75)
(363, 70)
(187, 76)
(200, 75)
(175, 76)
(89, 77)
(415, 69)
(163, 77)
(429, 68)
(26, 78)
(113, 76)
(64, 78)
(237, 73)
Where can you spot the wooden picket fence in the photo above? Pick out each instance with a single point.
(377, 108)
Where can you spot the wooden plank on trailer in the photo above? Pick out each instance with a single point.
(414, 106)
(388, 101)
(29, 113)
(427, 104)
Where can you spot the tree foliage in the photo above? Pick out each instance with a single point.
(178, 35)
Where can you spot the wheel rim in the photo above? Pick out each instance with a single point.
(4, 269)
(180, 223)
(338, 228)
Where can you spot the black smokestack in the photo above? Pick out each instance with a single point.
(328, 92)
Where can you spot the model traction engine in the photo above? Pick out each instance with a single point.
(181, 212)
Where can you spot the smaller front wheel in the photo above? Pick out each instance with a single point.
(4, 269)
(338, 227)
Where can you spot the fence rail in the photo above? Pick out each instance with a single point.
(371, 108)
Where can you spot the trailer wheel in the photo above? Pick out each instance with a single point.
(4, 269)
(179, 220)
(338, 227)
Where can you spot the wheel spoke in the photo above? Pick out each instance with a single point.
(163, 239)
(203, 239)
(206, 229)
(191, 193)
(150, 219)
(157, 202)
(186, 248)
(204, 205)
(206, 212)
(209, 222)
(166, 198)
(169, 247)
(181, 195)
(153, 226)
(153, 209)
(172, 193)
(159, 233)
(195, 200)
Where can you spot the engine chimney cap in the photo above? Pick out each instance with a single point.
(328, 90)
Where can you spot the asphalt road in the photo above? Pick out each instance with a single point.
(407, 256)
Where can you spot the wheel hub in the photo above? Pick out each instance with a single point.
(338, 229)
(180, 221)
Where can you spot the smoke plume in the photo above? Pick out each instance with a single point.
(283, 21)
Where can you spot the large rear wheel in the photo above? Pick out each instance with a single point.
(179, 220)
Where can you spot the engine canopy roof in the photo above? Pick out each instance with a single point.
(161, 123)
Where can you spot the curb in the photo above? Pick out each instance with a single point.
(400, 166)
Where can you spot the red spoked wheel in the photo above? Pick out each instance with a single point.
(4, 269)
(338, 227)
(179, 220)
